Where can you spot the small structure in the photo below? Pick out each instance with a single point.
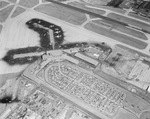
(143, 8)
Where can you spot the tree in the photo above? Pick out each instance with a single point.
(115, 3)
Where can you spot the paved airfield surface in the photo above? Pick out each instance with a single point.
(70, 21)
(77, 25)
